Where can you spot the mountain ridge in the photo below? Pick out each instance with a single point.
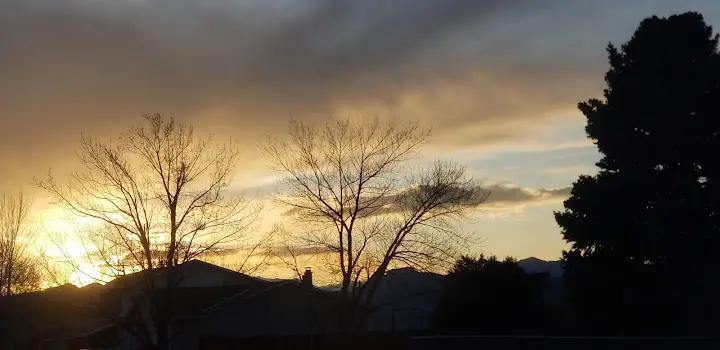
(535, 265)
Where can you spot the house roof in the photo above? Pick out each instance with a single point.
(189, 302)
(202, 301)
(63, 312)
(68, 310)
(278, 290)
(55, 310)
(293, 308)
(187, 268)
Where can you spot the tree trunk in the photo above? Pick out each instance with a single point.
(364, 302)
(9, 272)
(165, 303)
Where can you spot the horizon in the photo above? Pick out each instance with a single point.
(83, 282)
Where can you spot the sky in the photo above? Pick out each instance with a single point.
(497, 80)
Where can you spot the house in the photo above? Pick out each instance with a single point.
(208, 300)
(28, 318)
(405, 300)
(289, 308)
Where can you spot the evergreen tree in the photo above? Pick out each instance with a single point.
(644, 231)
(486, 295)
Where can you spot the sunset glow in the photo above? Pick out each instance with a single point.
(505, 111)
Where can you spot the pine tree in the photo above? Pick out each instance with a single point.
(644, 231)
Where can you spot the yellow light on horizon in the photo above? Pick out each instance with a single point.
(87, 274)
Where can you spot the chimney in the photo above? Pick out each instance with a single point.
(307, 277)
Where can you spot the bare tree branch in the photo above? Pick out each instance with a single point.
(347, 184)
(19, 270)
(156, 197)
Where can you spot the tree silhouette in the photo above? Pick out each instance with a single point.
(490, 296)
(157, 197)
(348, 186)
(19, 268)
(644, 230)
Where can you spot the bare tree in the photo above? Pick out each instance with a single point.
(157, 197)
(348, 182)
(19, 270)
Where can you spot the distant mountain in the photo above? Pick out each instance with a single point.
(277, 279)
(535, 265)
(555, 293)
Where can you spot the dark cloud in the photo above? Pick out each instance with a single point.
(479, 71)
(88, 62)
(298, 251)
(486, 197)
(73, 65)
(284, 252)
(504, 196)
(509, 196)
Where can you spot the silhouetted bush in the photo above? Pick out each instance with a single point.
(489, 296)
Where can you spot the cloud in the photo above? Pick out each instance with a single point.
(303, 250)
(504, 196)
(241, 68)
(507, 195)
(481, 73)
